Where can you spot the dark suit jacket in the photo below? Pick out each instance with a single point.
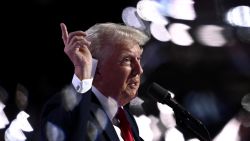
(86, 121)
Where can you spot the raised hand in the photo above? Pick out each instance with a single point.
(76, 48)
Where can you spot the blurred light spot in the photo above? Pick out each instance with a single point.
(101, 118)
(229, 132)
(171, 94)
(14, 133)
(23, 122)
(131, 18)
(239, 16)
(54, 133)
(179, 34)
(148, 10)
(145, 130)
(3, 118)
(204, 106)
(21, 97)
(181, 9)
(194, 139)
(137, 101)
(159, 32)
(3, 95)
(166, 115)
(157, 131)
(16, 128)
(164, 8)
(211, 35)
(245, 102)
(92, 131)
(173, 134)
(136, 106)
(165, 109)
(111, 102)
(69, 97)
(151, 128)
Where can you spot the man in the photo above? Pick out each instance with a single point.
(89, 110)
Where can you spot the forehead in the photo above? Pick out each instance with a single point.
(121, 48)
(128, 48)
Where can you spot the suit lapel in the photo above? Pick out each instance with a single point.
(98, 121)
(105, 127)
(82, 118)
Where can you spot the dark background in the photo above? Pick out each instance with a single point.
(31, 54)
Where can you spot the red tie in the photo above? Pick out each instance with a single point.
(124, 126)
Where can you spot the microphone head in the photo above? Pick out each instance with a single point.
(158, 93)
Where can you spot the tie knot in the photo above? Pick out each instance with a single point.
(121, 114)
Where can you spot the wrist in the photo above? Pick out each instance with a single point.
(83, 73)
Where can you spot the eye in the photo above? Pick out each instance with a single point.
(139, 59)
(126, 61)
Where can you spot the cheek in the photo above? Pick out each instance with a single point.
(121, 75)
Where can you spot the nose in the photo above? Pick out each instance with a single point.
(137, 68)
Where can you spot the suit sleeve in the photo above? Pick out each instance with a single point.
(60, 115)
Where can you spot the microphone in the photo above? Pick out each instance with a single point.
(163, 96)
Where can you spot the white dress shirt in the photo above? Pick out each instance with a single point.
(84, 85)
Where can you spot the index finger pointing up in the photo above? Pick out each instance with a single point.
(64, 33)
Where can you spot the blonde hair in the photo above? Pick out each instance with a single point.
(111, 34)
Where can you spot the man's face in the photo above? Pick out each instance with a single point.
(120, 72)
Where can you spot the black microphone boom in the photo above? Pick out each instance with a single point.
(164, 96)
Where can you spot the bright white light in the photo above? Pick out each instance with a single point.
(171, 94)
(14, 132)
(149, 127)
(23, 122)
(182, 9)
(145, 130)
(165, 109)
(211, 35)
(229, 132)
(166, 115)
(131, 18)
(157, 131)
(173, 134)
(17, 126)
(239, 16)
(3, 118)
(159, 32)
(148, 10)
(179, 34)
(194, 139)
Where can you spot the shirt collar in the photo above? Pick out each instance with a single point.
(108, 103)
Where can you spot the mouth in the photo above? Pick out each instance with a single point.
(134, 84)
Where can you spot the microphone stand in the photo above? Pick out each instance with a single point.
(186, 120)
(183, 117)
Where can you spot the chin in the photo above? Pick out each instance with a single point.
(132, 96)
